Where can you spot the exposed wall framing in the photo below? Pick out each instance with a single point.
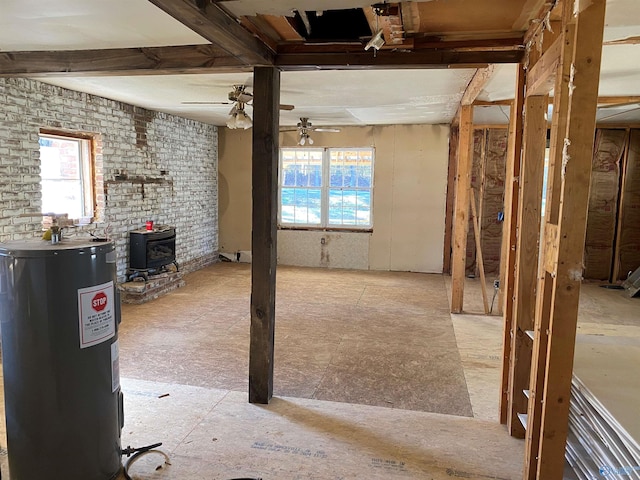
(569, 63)
(476, 183)
(461, 218)
(487, 179)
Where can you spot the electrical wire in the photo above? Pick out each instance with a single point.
(136, 456)
(137, 453)
(503, 113)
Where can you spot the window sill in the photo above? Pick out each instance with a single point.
(326, 229)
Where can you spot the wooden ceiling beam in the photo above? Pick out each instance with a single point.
(474, 87)
(624, 41)
(216, 26)
(477, 83)
(360, 59)
(119, 61)
(615, 101)
(431, 43)
(489, 103)
(618, 100)
(262, 30)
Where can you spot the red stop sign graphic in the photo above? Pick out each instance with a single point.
(99, 301)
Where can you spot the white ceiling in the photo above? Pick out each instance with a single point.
(326, 97)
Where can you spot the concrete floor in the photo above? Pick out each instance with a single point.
(373, 379)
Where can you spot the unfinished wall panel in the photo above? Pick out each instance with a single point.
(477, 168)
(629, 240)
(603, 202)
(487, 179)
(493, 198)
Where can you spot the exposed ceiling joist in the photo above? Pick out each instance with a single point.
(429, 58)
(620, 100)
(481, 45)
(486, 103)
(120, 61)
(614, 101)
(477, 83)
(624, 41)
(212, 23)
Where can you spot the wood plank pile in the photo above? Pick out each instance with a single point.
(597, 445)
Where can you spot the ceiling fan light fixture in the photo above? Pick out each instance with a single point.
(305, 138)
(232, 122)
(243, 120)
(239, 119)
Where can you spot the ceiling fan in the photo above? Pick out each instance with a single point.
(305, 127)
(239, 97)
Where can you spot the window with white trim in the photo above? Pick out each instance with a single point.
(66, 176)
(326, 188)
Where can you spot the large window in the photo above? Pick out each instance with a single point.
(66, 176)
(326, 187)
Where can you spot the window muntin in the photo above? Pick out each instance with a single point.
(351, 174)
(325, 188)
(66, 176)
(301, 192)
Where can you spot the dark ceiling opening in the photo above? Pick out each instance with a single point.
(334, 25)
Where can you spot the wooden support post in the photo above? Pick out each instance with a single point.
(524, 306)
(266, 89)
(575, 176)
(461, 225)
(559, 289)
(479, 260)
(545, 288)
(508, 252)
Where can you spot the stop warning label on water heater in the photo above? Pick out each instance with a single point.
(97, 314)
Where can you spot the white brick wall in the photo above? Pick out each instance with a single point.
(149, 166)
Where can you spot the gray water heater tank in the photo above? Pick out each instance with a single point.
(59, 311)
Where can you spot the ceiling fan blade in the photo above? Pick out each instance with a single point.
(334, 130)
(287, 107)
(244, 97)
(289, 129)
(206, 103)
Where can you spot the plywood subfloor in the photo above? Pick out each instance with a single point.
(216, 434)
(372, 338)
